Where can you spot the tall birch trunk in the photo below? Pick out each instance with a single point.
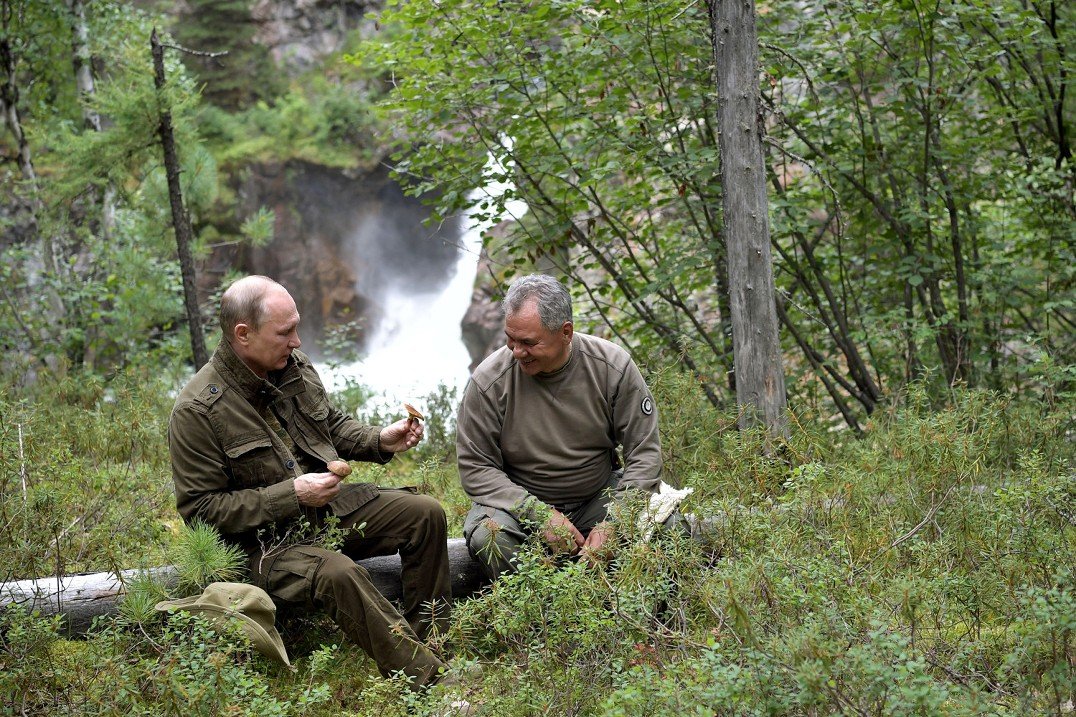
(83, 65)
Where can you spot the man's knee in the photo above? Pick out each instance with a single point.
(337, 573)
(493, 546)
(430, 509)
(422, 510)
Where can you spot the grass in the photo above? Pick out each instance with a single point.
(926, 568)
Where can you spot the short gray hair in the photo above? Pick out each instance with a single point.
(553, 301)
(244, 303)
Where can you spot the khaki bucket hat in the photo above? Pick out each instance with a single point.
(248, 604)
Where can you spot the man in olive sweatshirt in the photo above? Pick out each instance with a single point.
(538, 430)
(250, 439)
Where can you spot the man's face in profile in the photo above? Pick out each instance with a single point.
(268, 347)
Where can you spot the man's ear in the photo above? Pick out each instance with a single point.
(567, 330)
(241, 333)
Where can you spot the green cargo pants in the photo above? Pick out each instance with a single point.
(314, 578)
(494, 536)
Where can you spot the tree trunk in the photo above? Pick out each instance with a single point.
(9, 103)
(180, 219)
(760, 384)
(82, 61)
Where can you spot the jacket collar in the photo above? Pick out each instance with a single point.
(281, 384)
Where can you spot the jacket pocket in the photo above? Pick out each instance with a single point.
(252, 461)
(313, 402)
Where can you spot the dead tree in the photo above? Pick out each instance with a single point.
(181, 220)
(756, 341)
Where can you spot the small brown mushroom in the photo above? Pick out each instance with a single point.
(413, 412)
(340, 468)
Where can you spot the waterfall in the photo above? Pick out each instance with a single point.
(418, 347)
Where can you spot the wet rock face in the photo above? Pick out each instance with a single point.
(339, 243)
(16, 212)
(482, 326)
(299, 33)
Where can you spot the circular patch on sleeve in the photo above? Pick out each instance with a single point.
(647, 406)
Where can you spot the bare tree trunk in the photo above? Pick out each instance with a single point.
(83, 64)
(80, 54)
(180, 219)
(760, 383)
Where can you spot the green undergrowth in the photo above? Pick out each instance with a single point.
(925, 568)
(84, 478)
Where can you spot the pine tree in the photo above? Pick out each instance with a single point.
(243, 76)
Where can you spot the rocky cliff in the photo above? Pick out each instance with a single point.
(302, 33)
(342, 238)
(339, 243)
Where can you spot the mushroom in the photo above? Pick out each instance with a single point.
(340, 468)
(413, 412)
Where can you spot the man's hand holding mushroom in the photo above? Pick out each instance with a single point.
(318, 489)
(404, 434)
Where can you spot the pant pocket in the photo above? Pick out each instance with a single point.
(475, 516)
(289, 576)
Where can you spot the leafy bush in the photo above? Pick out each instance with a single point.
(924, 568)
(183, 667)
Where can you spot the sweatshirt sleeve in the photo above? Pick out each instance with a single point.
(478, 454)
(635, 425)
(202, 482)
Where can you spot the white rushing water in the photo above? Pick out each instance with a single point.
(418, 346)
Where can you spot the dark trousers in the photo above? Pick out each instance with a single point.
(494, 536)
(315, 578)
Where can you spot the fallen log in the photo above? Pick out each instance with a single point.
(78, 598)
(81, 598)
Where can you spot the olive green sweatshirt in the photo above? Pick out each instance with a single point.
(553, 437)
